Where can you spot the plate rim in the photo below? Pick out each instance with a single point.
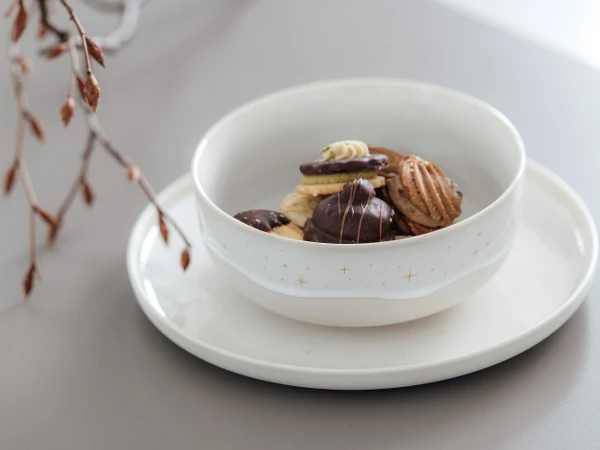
(529, 337)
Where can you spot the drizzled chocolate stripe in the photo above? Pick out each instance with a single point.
(332, 223)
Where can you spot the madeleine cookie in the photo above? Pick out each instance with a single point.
(424, 194)
(299, 208)
(331, 188)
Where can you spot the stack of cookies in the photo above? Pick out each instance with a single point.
(355, 194)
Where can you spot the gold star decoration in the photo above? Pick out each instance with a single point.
(301, 281)
(479, 234)
(344, 269)
(285, 266)
(410, 275)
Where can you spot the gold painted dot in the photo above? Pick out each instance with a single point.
(370, 265)
(487, 244)
(432, 269)
(344, 269)
(266, 257)
(349, 279)
(444, 273)
(282, 279)
(285, 266)
(308, 268)
(383, 282)
(449, 247)
(479, 234)
(475, 252)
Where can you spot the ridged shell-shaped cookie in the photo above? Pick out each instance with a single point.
(430, 191)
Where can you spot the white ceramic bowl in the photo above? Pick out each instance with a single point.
(250, 160)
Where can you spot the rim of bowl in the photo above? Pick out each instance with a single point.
(298, 89)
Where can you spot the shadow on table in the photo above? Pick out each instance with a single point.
(494, 405)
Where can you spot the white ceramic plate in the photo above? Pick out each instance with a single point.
(546, 277)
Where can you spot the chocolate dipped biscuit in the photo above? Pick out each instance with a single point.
(270, 222)
(352, 216)
(364, 164)
(341, 163)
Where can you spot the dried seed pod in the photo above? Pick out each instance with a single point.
(37, 128)
(95, 50)
(57, 50)
(91, 91)
(162, 226)
(52, 234)
(28, 280)
(88, 193)
(20, 22)
(9, 179)
(133, 173)
(185, 258)
(67, 110)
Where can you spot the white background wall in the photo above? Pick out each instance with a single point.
(570, 26)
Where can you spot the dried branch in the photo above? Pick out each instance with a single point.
(89, 91)
(19, 169)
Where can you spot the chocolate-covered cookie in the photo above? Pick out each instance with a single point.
(270, 222)
(262, 219)
(352, 216)
(335, 166)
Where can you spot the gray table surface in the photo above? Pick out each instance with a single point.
(80, 365)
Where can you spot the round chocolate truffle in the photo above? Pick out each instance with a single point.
(352, 216)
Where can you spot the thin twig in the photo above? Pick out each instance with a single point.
(45, 20)
(81, 31)
(81, 176)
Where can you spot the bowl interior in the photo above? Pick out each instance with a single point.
(250, 158)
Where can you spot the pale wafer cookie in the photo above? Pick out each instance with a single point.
(331, 188)
(299, 208)
(290, 231)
